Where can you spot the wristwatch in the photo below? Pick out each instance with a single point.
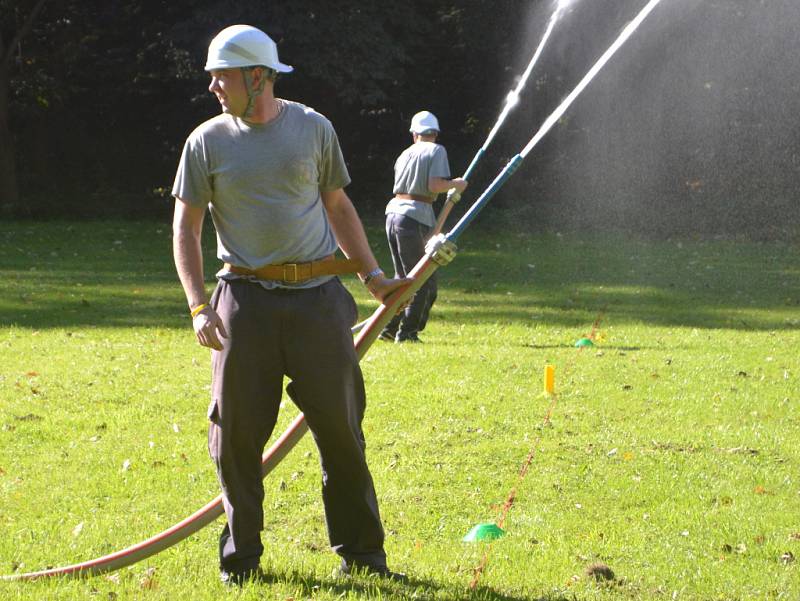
(372, 274)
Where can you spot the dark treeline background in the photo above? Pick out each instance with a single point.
(692, 129)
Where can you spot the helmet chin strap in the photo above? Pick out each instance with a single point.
(252, 92)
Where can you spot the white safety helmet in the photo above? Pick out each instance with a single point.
(243, 46)
(424, 122)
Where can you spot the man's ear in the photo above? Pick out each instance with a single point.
(258, 75)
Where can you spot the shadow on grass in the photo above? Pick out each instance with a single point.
(371, 588)
(567, 282)
(120, 274)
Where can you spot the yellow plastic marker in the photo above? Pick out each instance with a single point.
(549, 379)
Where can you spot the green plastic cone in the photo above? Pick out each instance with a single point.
(489, 531)
(584, 342)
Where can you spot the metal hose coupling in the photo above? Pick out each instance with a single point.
(453, 196)
(441, 250)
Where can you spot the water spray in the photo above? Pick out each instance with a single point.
(439, 251)
(512, 100)
(548, 124)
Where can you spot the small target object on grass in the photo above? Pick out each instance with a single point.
(549, 379)
(488, 531)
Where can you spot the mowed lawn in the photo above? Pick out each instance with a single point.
(668, 453)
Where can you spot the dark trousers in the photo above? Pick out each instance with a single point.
(305, 335)
(407, 238)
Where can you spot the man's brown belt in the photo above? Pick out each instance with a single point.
(419, 197)
(299, 272)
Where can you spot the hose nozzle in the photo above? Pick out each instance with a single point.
(441, 250)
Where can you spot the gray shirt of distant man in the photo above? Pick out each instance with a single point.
(412, 171)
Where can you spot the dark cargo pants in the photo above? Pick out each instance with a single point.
(305, 335)
(407, 238)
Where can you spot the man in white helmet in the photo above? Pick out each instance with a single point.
(271, 173)
(421, 173)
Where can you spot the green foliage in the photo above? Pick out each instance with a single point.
(667, 453)
(689, 129)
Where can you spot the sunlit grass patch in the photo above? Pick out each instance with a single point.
(668, 455)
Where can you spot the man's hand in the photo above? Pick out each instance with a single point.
(208, 328)
(459, 183)
(438, 185)
(381, 287)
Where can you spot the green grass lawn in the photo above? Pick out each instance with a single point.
(670, 455)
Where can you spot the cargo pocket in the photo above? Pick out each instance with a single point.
(214, 431)
(213, 412)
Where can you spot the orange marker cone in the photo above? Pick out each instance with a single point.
(549, 379)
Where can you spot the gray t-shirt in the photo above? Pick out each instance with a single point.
(262, 185)
(412, 169)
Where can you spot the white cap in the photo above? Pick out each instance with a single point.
(243, 46)
(424, 122)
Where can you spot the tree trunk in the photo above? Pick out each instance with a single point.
(9, 192)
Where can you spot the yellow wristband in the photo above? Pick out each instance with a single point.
(197, 309)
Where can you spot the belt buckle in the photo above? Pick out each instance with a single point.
(286, 277)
